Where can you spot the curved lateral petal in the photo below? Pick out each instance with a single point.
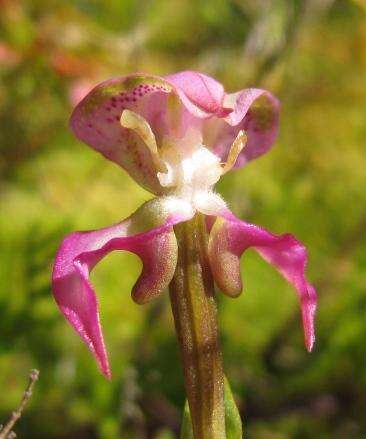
(148, 233)
(230, 237)
(256, 112)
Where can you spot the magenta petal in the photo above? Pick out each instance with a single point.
(162, 102)
(257, 113)
(230, 237)
(81, 251)
(171, 105)
(96, 121)
(200, 92)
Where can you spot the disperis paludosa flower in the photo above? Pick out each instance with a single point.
(176, 136)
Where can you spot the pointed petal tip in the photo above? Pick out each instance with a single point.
(309, 337)
(309, 305)
(107, 373)
(103, 363)
(310, 344)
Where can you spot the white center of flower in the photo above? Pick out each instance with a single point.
(191, 174)
(185, 166)
(190, 171)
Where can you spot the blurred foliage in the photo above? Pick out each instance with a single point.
(312, 54)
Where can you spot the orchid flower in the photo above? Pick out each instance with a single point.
(177, 136)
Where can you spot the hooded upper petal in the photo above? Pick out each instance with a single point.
(172, 106)
(161, 102)
(230, 237)
(148, 233)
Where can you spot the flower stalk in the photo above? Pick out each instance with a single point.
(195, 315)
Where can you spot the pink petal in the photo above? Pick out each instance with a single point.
(257, 113)
(200, 93)
(230, 237)
(81, 251)
(96, 121)
(172, 105)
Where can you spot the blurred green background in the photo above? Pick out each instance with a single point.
(310, 53)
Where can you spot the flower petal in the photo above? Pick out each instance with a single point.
(148, 233)
(162, 102)
(96, 121)
(257, 113)
(201, 94)
(171, 106)
(230, 237)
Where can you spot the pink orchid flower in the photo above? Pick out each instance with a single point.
(176, 136)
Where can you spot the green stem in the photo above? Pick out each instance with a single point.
(195, 316)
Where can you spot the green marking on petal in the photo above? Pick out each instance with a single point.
(174, 109)
(134, 82)
(151, 214)
(263, 112)
(225, 264)
(104, 92)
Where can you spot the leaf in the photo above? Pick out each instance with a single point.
(186, 430)
(233, 423)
